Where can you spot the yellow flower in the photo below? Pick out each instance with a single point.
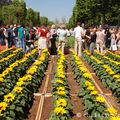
(21, 79)
(9, 97)
(94, 93)
(108, 70)
(112, 111)
(14, 65)
(100, 99)
(1, 79)
(87, 75)
(5, 72)
(45, 50)
(90, 88)
(1, 75)
(59, 81)
(20, 83)
(18, 89)
(60, 88)
(116, 76)
(60, 110)
(61, 93)
(105, 66)
(61, 76)
(87, 83)
(83, 69)
(115, 118)
(3, 107)
(61, 103)
(38, 63)
(111, 73)
(118, 80)
(10, 69)
(28, 77)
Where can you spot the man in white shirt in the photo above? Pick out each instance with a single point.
(78, 39)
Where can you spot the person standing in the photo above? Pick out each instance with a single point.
(108, 38)
(42, 41)
(78, 39)
(92, 40)
(16, 40)
(10, 36)
(100, 40)
(118, 39)
(62, 34)
(21, 33)
(6, 35)
(53, 35)
(30, 37)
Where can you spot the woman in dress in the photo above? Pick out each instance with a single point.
(53, 35)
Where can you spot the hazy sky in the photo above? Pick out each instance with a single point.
(53, 9)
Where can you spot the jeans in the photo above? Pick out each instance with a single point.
(91, 48)
(16, 42)
(22, 44)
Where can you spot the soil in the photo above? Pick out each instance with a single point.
(43, 98)
(106, 92)
(78, 108)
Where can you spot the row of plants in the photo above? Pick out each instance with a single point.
(60, 92)
(108, 77)
(9, 77)
(114, 65)
(113, 56)
(5, 53)
(5, 62)
(94, 104)
(18, 101)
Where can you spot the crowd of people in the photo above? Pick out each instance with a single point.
(96, 37)
(84, 37)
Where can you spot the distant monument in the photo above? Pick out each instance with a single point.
(4, 2)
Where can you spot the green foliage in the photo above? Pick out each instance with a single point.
(95, 12)
(17, 12)
(44, 20)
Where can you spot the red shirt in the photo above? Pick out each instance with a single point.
(42, 32)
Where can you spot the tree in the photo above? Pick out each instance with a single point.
(44, 20)
(95, 12)
(30, 16)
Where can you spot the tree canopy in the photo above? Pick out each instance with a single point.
(17, 12)
(95, 12)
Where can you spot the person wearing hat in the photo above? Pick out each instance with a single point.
(62, 34)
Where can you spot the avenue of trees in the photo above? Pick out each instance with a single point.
(16, 12)
(95, 12)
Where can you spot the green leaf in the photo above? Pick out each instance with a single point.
(19, 109)
(12, 107)
(12, 114)
(100, 109)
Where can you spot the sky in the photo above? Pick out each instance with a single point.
(53, 9)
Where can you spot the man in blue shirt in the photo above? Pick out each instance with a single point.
(21, 33)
